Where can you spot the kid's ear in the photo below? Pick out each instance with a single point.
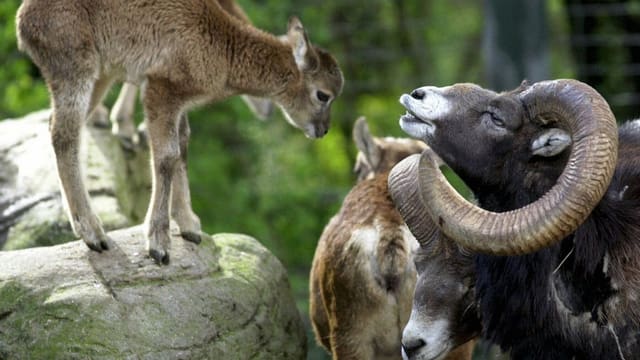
(302, 51)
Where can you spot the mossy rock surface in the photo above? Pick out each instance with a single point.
(227, 298)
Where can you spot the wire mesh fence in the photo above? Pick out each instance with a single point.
(605, 42)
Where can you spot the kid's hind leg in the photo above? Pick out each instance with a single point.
(181, 210)
(122, 113)
(71, 106)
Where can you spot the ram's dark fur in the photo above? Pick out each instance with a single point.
(578, 298)
(514, 292)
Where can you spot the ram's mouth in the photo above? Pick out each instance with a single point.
(411, 122)
(415, 126)
(411, 117)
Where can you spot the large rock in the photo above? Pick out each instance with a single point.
(227, 298)
(31, 208)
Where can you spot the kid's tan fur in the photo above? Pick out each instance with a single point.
(186, 52)
(122, 113)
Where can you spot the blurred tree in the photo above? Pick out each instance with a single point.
(515, 42)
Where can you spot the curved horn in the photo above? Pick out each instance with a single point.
(564, 207)
(405, 194)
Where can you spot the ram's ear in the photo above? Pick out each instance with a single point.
(551, 142)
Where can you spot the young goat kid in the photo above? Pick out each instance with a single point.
(122, 113)
(187, 52)
(363, 277)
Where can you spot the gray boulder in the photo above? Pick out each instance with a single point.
(227, 298)
(31, 208)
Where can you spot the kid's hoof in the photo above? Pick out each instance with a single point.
(127, 143)
(160, 257)
(100, 117)
(99, 244)
(143, 136)
(191, 236)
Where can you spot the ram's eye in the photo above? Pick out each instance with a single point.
(322, 96)
(496, 120)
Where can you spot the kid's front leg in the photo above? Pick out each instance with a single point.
(162, 122)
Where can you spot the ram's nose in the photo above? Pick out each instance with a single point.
(418, 94)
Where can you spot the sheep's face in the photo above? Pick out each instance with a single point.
(443, 314)
(382, 154)
(478, 132)
(377, 155)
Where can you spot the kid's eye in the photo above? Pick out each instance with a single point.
(322, 96)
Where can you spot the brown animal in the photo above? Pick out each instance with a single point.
(187, 52)
(362, 277)
(121, 115)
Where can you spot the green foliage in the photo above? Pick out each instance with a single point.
(22, 89)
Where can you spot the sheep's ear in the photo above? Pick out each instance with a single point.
(551, 142)
(365, 143)
(303, 53)
(361, 168)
